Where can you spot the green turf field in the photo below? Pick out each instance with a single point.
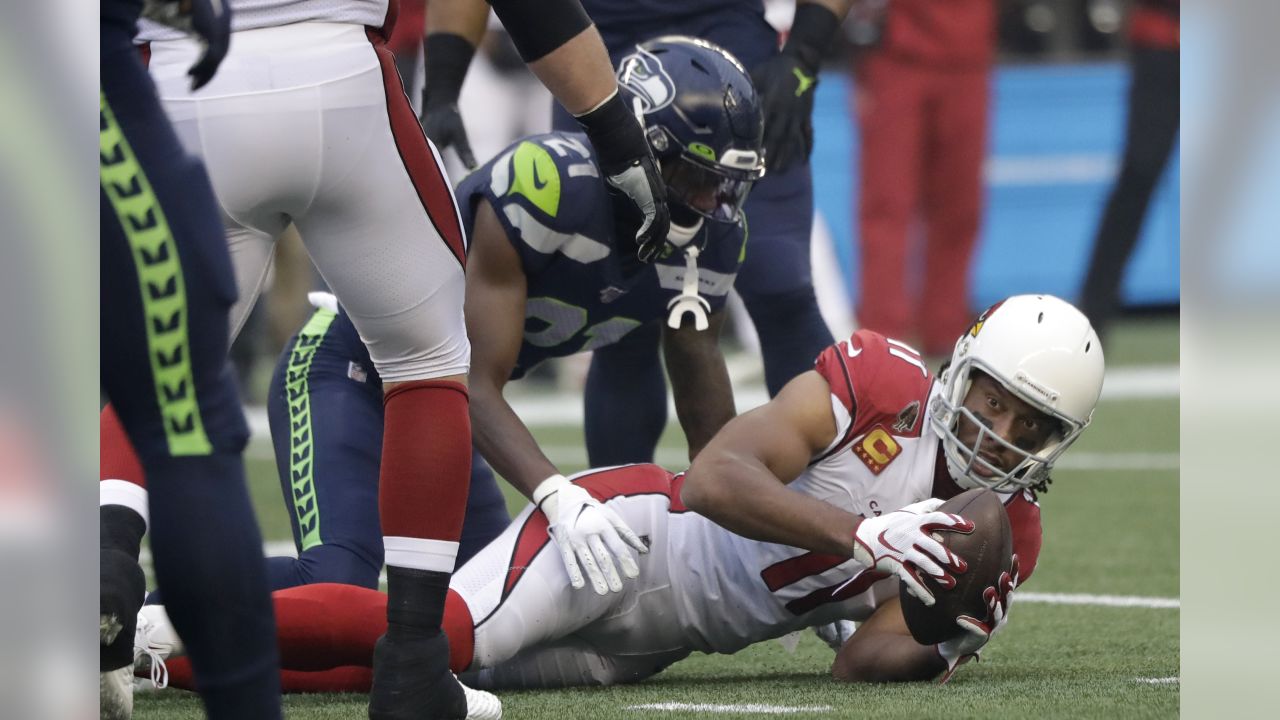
(1111, 529)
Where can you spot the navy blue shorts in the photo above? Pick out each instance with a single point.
(325, 410)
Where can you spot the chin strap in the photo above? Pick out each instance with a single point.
(689, 301)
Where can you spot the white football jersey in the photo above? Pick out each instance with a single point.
(733, 591)
(254, 14)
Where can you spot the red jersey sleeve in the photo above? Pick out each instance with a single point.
(1024, 518)
(876, 380)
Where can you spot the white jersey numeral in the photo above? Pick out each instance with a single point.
(902, 350)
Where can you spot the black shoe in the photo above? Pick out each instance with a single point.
(411, 678)
(121, 589)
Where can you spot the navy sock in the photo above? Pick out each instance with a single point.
(792, 334)
(208, 561)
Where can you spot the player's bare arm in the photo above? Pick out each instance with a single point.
(739, 482)
(882, 650)
(699, 380)
(589, 535)
(739, 479)
(496, 293)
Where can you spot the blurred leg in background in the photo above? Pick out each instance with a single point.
(1150, 133)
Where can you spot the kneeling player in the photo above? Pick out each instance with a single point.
(545, 279)
(834, 476)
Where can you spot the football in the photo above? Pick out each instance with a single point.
(989, 552)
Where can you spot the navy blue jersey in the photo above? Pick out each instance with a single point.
(548, 195)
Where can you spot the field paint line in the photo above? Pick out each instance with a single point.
(677, 458)
(1112, 461)
(1137, 601)
(565, 408)
(749, 708)
(285, 548)
(1159, 681)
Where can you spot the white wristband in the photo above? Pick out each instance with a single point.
(548, 487)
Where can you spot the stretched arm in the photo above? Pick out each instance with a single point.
(882, 650)
(739, 479)
(699, 380)
(589, 535)
(496, 293)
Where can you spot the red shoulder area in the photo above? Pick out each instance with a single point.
(1024, 518)
(879, 381)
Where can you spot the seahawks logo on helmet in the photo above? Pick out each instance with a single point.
(642, 73)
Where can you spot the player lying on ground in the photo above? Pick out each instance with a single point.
(835, 474)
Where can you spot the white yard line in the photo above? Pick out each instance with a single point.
(1135, 601)
(565, 408)
(743, 709)
(1158, 681)
(285, 548)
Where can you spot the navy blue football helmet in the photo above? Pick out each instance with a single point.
(703, 120)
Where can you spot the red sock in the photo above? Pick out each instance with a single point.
(426, 470)
(116, 458)
(350, 678)
(461, 629)
(327, 631)
(343, 679)
(327, 625)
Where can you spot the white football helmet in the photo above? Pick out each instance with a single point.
(1044, 351)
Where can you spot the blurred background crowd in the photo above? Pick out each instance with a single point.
(964, 151)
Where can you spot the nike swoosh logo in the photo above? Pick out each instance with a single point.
(538, 183)
(886, 543)
(854, 353)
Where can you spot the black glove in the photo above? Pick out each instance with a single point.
(786, 84)
(630, 169)
(208, 20)
(447, 58)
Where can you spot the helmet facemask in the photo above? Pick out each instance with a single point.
(965, 460)
(698, 182)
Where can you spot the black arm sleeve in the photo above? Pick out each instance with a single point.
(537, 27)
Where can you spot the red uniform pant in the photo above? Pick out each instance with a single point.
(923, 141)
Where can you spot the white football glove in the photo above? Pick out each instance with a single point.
(589, 533)
(836, 634)
(977, 633)
(899, 542)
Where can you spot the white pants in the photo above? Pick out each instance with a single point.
(532, 629)
(307, 123)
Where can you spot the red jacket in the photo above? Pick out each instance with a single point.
(952, 33)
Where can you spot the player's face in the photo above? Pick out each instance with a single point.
(1006, 415)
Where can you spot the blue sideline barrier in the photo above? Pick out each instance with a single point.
(1056, 137)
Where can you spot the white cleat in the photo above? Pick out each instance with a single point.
(153, 642)
(481, 705)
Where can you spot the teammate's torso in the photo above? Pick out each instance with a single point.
(548, 195)
(255, 14)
